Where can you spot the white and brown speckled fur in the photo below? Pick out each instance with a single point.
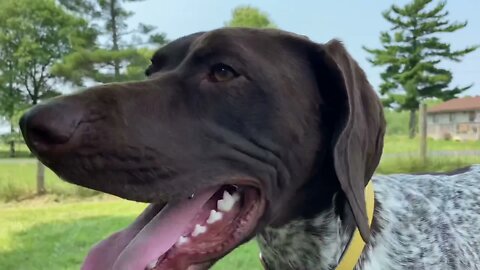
(424, 222)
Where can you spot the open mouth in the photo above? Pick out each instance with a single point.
(190, 234)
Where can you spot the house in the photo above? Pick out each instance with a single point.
(456, 119)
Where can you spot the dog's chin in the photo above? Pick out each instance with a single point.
(189, 234)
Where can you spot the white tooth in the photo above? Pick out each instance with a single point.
(236, 197)
(226, 195)
(182, 240)
(152, 265)
(226, 204)
(199, 229)
(214, 217)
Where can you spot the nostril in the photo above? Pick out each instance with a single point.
(51, 124)
(47, 136)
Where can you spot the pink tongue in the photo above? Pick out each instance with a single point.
(160, 234)
(146, 239)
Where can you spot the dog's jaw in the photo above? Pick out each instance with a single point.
(190, 234)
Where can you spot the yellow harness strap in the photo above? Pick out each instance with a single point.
(355, 248)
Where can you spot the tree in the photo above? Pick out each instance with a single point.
(247, 16)
(411, 52)
(116, 59)
(11, 102)
(9, 97)
(35, 35)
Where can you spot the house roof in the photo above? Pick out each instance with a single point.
(458, 104)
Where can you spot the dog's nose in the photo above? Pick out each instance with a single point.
(49, 125)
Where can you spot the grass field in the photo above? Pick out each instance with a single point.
(58, 236)
(45, 234)
(17, 181)
(17, 176)
(402, 144)
(21, 151)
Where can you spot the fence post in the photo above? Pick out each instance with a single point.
(40, 178)
(423, 132)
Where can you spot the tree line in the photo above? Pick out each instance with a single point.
(50, 44)
(46, 45)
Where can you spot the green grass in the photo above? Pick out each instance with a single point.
(42, 234)
(17, 176)
(35, 235)
(402, 144)
(17, 181)
(413, 164)
(22, 151)
(401, 155)
(58, 236)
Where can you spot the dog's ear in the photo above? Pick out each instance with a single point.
(357, 120)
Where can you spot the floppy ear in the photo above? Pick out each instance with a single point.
(359, 124)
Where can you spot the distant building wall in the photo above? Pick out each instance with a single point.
(464, 125)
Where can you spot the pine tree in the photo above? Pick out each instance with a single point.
(116, 56)
(411, 52)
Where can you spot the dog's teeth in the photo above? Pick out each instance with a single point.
(199, 229)
(152, 265)
(183, 240)
(226, 204)
(226, 195)
(214, 217)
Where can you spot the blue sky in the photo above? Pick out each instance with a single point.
(356, 23)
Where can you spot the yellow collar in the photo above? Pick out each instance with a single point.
(354, 250)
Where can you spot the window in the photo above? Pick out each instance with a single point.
(452, 117)
(471, 116)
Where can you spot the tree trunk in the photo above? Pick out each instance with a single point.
(423, 132)
(12, 141)
(40, 167)
(40, 178)
(115, 37)
(11, 109)
(412, 124)
(12, 149)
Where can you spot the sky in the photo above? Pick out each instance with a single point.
(356, 23)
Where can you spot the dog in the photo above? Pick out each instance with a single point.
(237, 133)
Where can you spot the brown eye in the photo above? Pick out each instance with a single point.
(222, 73)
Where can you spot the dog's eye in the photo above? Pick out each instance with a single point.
(222, 73)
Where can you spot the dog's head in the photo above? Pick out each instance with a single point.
(232, 131)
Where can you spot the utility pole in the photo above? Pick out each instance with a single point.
(423, 132)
